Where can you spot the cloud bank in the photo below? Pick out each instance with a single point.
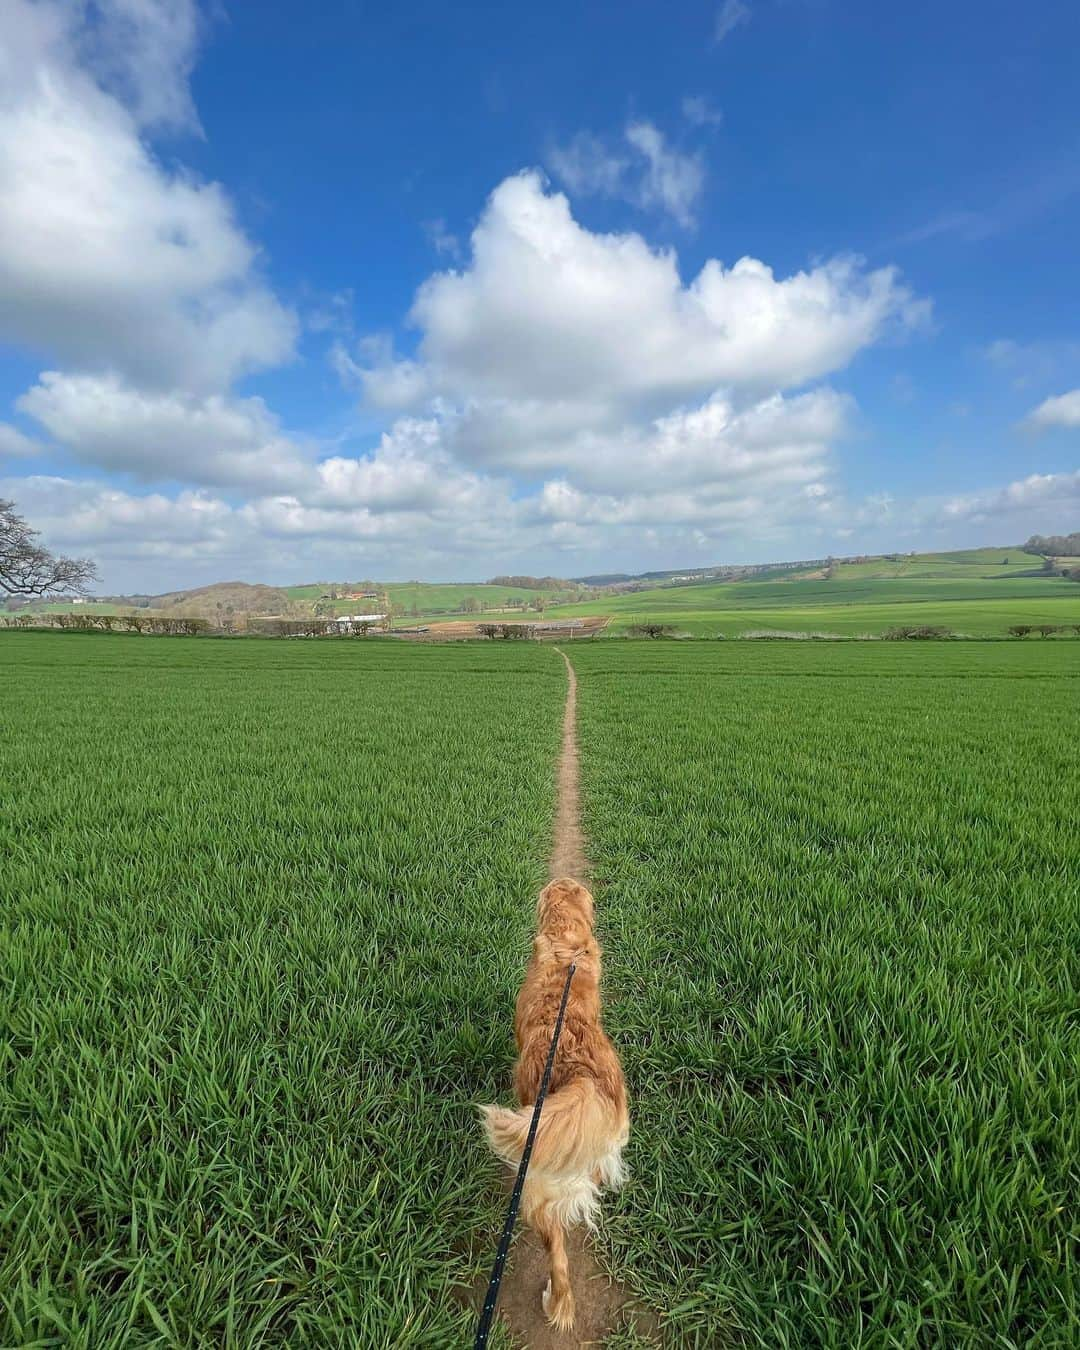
(566, 395)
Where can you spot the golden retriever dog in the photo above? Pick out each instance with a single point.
(584, 1124)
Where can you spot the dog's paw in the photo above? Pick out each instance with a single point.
(559, 1312)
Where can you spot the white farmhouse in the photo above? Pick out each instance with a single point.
(348, 623)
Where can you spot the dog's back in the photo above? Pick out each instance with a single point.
(584, 1124)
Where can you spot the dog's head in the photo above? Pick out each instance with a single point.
(564, 912)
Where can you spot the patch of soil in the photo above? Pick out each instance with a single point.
(601, 1306)
(568, 845)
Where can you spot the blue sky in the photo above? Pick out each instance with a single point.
(328, 291)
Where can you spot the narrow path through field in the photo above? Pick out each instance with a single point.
(568, 844)
(602, 1306)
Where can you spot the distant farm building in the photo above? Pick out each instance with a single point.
(349, 623)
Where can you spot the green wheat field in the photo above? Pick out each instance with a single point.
(266, 905)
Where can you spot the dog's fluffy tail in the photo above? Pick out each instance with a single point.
(577, 1141)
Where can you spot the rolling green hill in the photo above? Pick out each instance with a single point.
(850, 604)
(973, 562)
(977, 592)
(433, 599)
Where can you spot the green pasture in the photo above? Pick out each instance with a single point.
(840, 889)
(265, 907)
(978, 607)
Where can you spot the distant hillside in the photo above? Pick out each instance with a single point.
(1010, 559)
(977, 590)
(689, 575)
(236, 597)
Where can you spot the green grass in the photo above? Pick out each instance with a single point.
(972, 591)
(849, 607)
(965, 563)
(66, 607)
(266, 905)
(840, 896)
(434, 599)
(265, 908)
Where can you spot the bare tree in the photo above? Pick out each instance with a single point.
(28, 569)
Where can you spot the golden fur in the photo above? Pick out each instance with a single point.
(584, 1124)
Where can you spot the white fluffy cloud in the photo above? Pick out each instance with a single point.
(209, 439)
(154, 541)
(1060, 411)
(94, 517)
(616, 396)
(569, 389)
(237, 444)
(583, 360)
(410, 470)
(145, 49)
(548, 310)
(15, 442)
(773, 441)
(109, 261)
(1029, 497)
(651, 174)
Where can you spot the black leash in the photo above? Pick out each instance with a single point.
(490, 1299)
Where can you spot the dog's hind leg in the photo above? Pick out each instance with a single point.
(558, 1297)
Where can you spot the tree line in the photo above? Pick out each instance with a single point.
(524, 583)
(187, 625)
(1054, 545)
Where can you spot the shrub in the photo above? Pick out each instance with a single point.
(178, 627)
(650, 629)
(1020, 630)
(287, 628)
(904, 632)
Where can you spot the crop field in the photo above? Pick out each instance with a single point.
(265, 908)
(972, 562)
(422, 599)
(980, 618)
(847, 606)
(977, 606)
(266, 905)
(973, 592)
(840, 889)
